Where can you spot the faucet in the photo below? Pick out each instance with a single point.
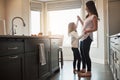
(13, 32)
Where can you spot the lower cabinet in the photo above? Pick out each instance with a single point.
(115, 57)
(116, 71)
(44, 59)
(11, 67)
(54, 55)
(31, 66)
(28, 58)
(111, 59)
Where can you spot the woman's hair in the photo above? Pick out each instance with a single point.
(91, 8)
(70, 27)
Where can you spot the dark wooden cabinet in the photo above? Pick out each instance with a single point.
(31, 66)
(11, 67)
(34, 69)
(54, 55)
(11, 59)
(31, 59)
(44, 68)
(21, 58)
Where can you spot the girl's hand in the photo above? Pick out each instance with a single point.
(78, 18)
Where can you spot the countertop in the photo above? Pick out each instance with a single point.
(115, 35)
(26, 37)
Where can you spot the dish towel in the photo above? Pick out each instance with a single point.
(42, 54)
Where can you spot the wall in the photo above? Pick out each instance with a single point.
(98, 54)
(17, 8)
(2, 9)
(2, 18)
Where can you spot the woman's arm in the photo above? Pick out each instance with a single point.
(80, 20)
(95, 26)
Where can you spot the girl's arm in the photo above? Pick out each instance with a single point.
(74, 34)
(80, 20)
(79, 37)
(77, 23)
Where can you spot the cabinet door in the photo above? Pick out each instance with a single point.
(31, 66)
(44, 69)
(54, 55)
(11, 67)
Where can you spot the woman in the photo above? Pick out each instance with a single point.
(89, 26)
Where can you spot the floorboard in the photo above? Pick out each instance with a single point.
(99, 72)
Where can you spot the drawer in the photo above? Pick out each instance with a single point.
(31, 45)
(115, 42)
(11, 46)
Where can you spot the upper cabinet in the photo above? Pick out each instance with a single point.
(114, 16)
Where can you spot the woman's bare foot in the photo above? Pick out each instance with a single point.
(83, 71)
(86, 74)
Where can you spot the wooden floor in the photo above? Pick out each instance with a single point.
(99, 72)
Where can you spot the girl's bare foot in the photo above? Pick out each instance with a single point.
(75, 71)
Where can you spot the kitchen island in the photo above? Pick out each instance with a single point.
(28, 57)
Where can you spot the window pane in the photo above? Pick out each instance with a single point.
(35, 22)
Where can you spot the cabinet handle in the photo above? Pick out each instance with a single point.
(116, 44)
(112, 42)
(13, 57)
(13, 48)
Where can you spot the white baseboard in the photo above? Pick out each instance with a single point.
(93, 60)
(101, 61)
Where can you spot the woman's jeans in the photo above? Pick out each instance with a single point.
(77, 58)
(85, 48)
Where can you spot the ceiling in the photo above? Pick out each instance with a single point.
(52, 0)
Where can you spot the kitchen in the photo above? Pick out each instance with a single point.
(108, 12)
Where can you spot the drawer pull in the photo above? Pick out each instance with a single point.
(13, 57)
(116, 44)
(112, 42)
(13, 48)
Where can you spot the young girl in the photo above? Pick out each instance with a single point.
(74, 43)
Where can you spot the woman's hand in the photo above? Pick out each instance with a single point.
(87, 30)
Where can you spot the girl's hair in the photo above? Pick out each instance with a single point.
(92, 8)
(70, 27)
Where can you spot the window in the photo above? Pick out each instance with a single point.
(35, 22)
(36, 9)
(59, 20)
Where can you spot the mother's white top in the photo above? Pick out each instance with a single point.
(88, 24)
